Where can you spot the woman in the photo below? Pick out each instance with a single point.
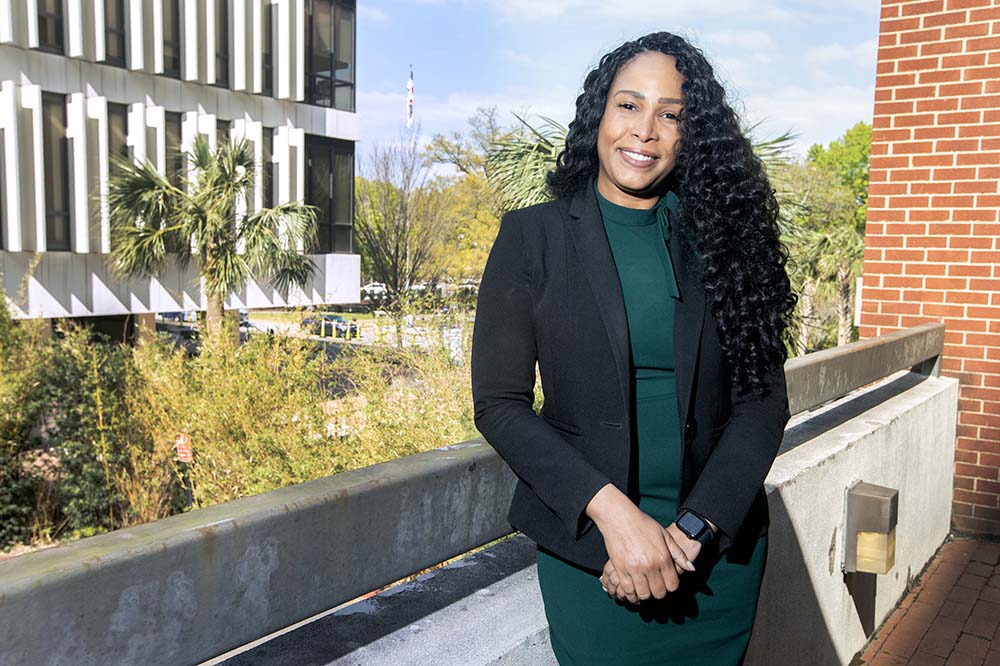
(653, 296)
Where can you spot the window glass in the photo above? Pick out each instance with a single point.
(175, 159)
(50, 25)
(55, 160)
(221, 132)
(114, 32)
(222, 43)
(171, 38)
(267, 166)
(267, 64)
(330, 63)
(117, 134)
(330, 187)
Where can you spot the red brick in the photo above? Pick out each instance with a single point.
(967, 4)
(947, 18)
(952, 201)
(916, 65)
(946, 104)
(975, 187)
(920, 36)
(917, 8)
(988, 513)
(978, 158)
(914, 92)
(977, 471)
(946, 283)
(971, 242)
(934, 132)
(974, 215)
(960, 145)
(986, 14)
(977, 73)
(964, 60)
(969, 30)
(898, 25)
(992, 129)
(982, 101)
(929, 188)
(984, 44)
(942, 47)
(960, 118)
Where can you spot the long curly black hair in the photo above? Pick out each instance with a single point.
(727, 205)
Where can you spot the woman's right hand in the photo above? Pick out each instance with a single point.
(642, 552)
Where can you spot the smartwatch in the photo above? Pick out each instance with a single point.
(695, 527)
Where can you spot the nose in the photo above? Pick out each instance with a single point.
(644, 127)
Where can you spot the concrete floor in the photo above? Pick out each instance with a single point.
(950, 617)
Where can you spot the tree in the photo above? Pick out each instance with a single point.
(825, 249)
(517, 163)
(474, 204)
(401, 216)
(848, 158)
(204, 217)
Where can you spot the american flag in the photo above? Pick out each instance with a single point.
(409, 99)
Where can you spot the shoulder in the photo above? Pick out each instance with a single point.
(538, 213)
(539, 225)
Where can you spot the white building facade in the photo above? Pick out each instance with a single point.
(81, 80)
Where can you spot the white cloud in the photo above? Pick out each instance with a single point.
(745, 39)
(527, 11)
(862, 54)
(370, 13)
(818, 115)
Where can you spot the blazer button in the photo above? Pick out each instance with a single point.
(690, 428)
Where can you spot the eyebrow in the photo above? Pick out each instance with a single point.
(662, 100)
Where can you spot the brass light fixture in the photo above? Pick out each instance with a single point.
(870, 539)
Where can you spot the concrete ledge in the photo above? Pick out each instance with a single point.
(193, 586)
(899, 432)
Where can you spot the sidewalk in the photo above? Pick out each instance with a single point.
(951, 616)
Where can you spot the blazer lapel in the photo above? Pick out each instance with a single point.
(592, 246)
(591, 243)
(689, 316)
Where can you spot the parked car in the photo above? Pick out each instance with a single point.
(332, 325)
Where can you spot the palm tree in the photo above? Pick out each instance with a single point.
(517, 162)
(204, 216)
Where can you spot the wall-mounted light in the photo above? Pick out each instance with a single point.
(870, 537)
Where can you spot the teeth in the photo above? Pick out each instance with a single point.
(637, 156)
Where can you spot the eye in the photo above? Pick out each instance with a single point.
(670, 115)
(626, 105)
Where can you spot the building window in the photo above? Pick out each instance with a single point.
(222, 43)
(55, 159)
(267, 166)
(221, 132)
(172, 38)
(175, 158)
(117, 135)
(50, 25)
(267, 50)
(330, 53)
(114, 32)
(330, 187)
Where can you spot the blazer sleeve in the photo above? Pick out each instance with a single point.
(504, 353)
(737, 467)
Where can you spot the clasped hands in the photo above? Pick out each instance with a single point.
(649, 568)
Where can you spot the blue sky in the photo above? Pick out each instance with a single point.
(806, 66)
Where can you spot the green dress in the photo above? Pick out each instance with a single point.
(709, 618)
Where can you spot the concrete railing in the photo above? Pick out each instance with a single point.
(190, 587)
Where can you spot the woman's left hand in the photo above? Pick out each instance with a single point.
(609, 578)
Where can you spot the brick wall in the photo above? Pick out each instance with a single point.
(932, 248)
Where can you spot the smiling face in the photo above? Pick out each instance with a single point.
(639, 135)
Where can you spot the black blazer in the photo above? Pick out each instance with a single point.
(550, 292)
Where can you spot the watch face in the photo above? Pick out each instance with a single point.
(691, 524)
